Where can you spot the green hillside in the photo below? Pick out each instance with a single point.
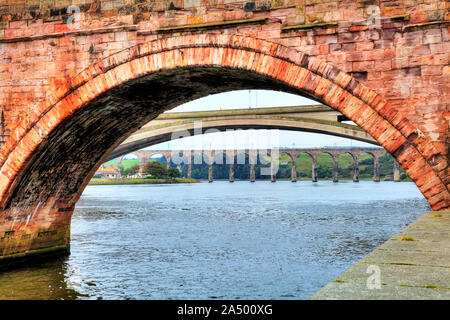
(126, 163)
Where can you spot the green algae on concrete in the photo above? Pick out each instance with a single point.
(17, 258)
(416, 270)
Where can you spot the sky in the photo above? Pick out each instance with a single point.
(243, 139)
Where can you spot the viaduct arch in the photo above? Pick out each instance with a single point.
(56, 137)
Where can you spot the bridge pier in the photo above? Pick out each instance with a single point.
(273, 175)
(355, 170)
(294, 171)
(119, 163)
(231, 174)
(142, 162)
(189, 171)
(252, 172)
(376, 169)
(335, 170)
(314, 170)
(396, 171)
(210, 173)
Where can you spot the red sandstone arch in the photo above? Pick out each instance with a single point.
(262, 60)
(320, 80)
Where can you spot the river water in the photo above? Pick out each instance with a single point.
(227, 241)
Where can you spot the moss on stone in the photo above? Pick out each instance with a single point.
(400, 17)
(213, 25)
(308, 26)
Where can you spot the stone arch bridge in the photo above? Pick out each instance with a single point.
(233, 157)
(77, 78)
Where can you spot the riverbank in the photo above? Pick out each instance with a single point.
(97, 182)
(309, 179)
(414, 264)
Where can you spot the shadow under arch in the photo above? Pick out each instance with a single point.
(46, 167)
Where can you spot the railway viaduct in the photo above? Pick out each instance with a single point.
(78, 77)
(233, 157)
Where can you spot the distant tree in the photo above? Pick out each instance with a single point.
(131, 170)
(155, 169)
(174, 173)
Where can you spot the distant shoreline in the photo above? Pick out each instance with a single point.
(183, 180)
(98, 182)
(307, 179)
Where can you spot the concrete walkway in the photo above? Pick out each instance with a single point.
(414, 264)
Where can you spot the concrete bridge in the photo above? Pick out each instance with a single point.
(233, 157)
(76, 81)
(170, 126)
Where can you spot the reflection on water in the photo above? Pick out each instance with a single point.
(228, 241)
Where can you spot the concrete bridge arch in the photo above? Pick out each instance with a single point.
(158, 134)
(47, 163)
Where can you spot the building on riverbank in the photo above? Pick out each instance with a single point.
(108, 172)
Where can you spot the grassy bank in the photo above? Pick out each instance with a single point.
(140, 181)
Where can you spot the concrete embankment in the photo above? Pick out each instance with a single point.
(414, 264)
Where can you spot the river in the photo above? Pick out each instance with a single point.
(222, 240)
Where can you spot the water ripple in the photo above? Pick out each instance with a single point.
(217, 241)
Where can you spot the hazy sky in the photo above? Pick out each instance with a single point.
(244, 99)
(253, 138)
